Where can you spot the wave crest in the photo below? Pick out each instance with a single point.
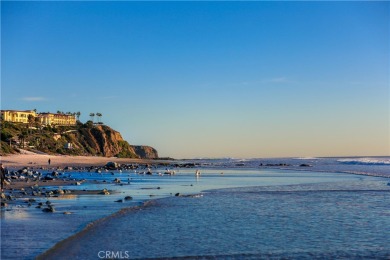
(366, 161)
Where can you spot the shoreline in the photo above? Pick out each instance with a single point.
(58, 248)
(41, 160)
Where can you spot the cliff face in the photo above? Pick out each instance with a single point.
(82, 139)
(105, 141)
(146, 152)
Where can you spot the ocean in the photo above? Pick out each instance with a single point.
(282, 208)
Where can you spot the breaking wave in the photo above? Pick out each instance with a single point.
(366, 161)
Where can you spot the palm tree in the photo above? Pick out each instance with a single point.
(37, 122)
(92, 115)
(31, 121)
(99, 115)
(22, 138)
(78, 115)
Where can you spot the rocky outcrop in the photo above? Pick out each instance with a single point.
(105, 141)
(146, 152)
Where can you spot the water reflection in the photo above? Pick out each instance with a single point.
(15, 213)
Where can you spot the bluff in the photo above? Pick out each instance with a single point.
(105, 141)
(82, 139)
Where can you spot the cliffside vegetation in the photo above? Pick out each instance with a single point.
(82, 139)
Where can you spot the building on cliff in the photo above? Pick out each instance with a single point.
(17, 116)
(21, 116)
(57, 119)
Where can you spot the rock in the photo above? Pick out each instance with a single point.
(112, 165)
(31, 200)
(48, 178)
(104, 192)
(119, 201)
(78, 183)
(3, 204)
(276, 164)
(34, 193)
(117, 180)
(59, 192)
(145, 152)
(128, 198)
(24, 170)
(177, 194)
(305, 165)
(49, 209)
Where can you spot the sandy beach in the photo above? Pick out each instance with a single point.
(40, 161)
(29, 159)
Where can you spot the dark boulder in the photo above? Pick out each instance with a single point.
(112, 165)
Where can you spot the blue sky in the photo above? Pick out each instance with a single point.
(208, 79)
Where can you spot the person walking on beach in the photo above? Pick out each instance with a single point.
(2, 176)
(49, 161)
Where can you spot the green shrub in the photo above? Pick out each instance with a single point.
(5, 134)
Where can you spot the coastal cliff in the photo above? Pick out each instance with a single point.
(146, 152)
(82, 139)
(107, 142)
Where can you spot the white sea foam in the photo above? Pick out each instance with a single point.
(366, 161)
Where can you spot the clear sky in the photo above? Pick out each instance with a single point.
(208, 79)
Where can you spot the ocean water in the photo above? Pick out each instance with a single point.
(299, 221)
(373, 166)
(248, 212)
